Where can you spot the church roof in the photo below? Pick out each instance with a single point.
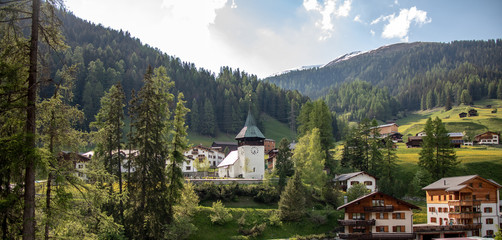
(231, 158)
(250, 130)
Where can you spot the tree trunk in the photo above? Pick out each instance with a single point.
(48, 205)
(29, 187)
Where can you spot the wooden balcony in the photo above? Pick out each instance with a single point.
(396, 236)
(468, 215)
(357, 222)
(453, 203)
(457, 227)
(379, 209)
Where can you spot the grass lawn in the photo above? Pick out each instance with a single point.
(208, 230)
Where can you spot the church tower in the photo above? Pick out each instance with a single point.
(251, 149)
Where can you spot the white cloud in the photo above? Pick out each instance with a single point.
(372, 33)
(358, 19)
(233, 4)
(398, 27)
(327, 10)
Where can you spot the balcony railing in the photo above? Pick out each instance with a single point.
(379, 209)
(464, 203)
(357, 222)
(459, 227)
(396, 236)
(464, 214)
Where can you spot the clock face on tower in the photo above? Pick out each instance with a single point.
(254, 150)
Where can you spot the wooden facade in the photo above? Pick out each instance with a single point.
(377, 216)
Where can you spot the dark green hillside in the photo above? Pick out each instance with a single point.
(419, 75)
(219, 103)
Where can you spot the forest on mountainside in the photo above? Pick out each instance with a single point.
(103, 56)
(417, 75)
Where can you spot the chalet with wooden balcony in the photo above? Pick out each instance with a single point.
(377, 216)
(487, 138)
(461, 207)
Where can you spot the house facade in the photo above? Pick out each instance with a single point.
(269, 145)
(248, 161)
(347, 180)
(461, 207)
(488, 138)
(377, 216)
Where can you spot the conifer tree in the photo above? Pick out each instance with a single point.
(148, 215)
(194, 117)
(437, 155)
(179, 145)
(284, 164)
(292, 203)
(309, 159)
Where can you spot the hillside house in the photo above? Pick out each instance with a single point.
(461, 206)
(271, 160)
(77, 161)
(221, 146)
(126, 156)
(462, 115)
(487, 138)
(347, 180)
(200, 153)
(390, 130)
(456, 139)
(377, 216)
(473, 113)
(269, 145)
(248, 161)
(414, 141)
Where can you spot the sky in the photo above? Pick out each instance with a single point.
(264, 37)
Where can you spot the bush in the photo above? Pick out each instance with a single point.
(267, 195)
(255, 231)
(220, 215)
(318, 218)
(275, 219)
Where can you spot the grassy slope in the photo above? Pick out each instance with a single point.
(208, 230)
(485, 161)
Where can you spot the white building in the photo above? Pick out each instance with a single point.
(347, 180)
(201, 153)
(249, 160)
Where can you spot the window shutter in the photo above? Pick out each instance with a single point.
(377, 215)
(378, 229)
(385, 216)
(393, 216)
(403, 228)
(394, 229)
(402, 215)
(386, 228)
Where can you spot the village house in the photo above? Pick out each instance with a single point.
(473, 113)
(390, 130)
(78, 161)
(456, 139)
(461, 206)
(248, 161)
(377, 216)
(221, 146)
(462, 115)
(414, 141)
(487, 138)
(269, 145)
(127, 155)
(200, 153)
(347, 180)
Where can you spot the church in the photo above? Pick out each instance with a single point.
(248, 161)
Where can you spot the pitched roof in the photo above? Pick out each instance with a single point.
(343, 177)
(230, 159)
(455, 134)
(453, 183)
(373, 193)
(250, 130)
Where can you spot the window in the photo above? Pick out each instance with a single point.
(489, 232)
(354, 182)
(480, 185)
(368, 183)
(452, 209)
(398, 216)
(487, 196)
(378, 202)
(432, 198)
(470, 184)
(358, 216)
(432, 209)
(382, 216)
(473, 197)
(189, 168)
(398, 229)
(445, 210)
(488, 209)
(382, 229)
(489, 221)
(440, 210)
(433, 219)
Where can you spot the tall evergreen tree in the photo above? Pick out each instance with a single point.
(284, 164)
(109, 124)
(148, 215)
(194, 116)
(309, 159)
(179, 145)
(437, 155)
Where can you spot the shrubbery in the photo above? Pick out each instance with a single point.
(220, 215)
(230, 192)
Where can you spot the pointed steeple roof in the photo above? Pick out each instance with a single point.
(250, 130)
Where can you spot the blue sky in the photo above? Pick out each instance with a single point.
(263, 37)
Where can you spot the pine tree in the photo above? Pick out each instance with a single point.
(292, 203)
(148, 215)
(437, 155)
(309, 159)
(465, 97)
(284, 164)
(209, 120)
(176, 157)
(194, 117)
